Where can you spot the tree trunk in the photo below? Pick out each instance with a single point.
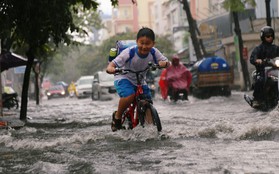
(247, 83)
(192, 30)
(268, 17)
(24, 95)
(37, 84)
(37, 89)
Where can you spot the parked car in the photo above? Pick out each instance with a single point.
(103, 84)
(84, 86)
(56, 91)
(64, 84)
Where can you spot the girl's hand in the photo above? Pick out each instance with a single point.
(163, 64)
(110, 70)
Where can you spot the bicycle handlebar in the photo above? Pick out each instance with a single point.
(151, 66)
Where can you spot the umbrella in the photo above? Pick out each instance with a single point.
(11, 60)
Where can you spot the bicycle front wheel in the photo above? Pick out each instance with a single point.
(151, 116)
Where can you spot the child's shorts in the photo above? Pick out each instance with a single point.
(125, 88)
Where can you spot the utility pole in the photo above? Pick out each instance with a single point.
(268, 17)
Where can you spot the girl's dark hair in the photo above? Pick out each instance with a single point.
(147, 32)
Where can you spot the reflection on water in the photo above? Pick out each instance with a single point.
(218, 135)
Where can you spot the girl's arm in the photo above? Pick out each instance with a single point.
(111, 68)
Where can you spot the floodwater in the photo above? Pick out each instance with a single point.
(217, 135)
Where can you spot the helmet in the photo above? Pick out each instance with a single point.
(267, 30)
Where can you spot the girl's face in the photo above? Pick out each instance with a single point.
(144, 45)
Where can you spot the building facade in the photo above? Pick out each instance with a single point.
(129, 17)
(167, 17)
(145, 13)
(171, 20)
(125, 17)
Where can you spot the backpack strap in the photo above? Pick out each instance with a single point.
(133, 51)
(154, 56)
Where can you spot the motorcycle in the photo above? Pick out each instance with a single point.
(150, 80)
(177, 94)
(178, 85)
(72, 90)
(271, 85)
(10, 100)
(71, 94)
(152, 87)
(174, 88)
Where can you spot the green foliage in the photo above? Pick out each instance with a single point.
(36, 24)
(85, 20)
(237, 5)
(62, 65)
(164, 44)
(186, 38)
(40, 22)
(95, 58)
(44, 25)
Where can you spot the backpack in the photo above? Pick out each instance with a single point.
(122, 45)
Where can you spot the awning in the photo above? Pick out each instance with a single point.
(11, 60)
(183, 53)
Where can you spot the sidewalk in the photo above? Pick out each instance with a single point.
(10, 119)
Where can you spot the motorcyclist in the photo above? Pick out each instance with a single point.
(72, 88)
(266, 50)
(178, 78)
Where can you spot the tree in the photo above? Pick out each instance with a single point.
(192, 29)
(236, 6)
(86, 20)
(36, 24)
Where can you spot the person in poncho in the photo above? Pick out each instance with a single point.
(178, 79)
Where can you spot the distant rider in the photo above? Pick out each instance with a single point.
(178, 78)
(72, 88)
(263, 51)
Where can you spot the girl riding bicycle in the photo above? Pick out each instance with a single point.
(126, 83)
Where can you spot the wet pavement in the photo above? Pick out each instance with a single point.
(217, 135)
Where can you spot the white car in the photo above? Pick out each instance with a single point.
(103, 84)
(84, 86)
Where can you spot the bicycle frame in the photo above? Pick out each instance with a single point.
(130, 114)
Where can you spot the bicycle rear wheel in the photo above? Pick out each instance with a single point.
(155, 120)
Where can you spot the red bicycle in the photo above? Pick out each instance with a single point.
(141, 109)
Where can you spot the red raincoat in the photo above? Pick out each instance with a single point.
(163, 84)
(178, 77)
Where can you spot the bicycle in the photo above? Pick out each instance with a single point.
(141, 109)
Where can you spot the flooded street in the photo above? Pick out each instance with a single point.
(218, 135)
